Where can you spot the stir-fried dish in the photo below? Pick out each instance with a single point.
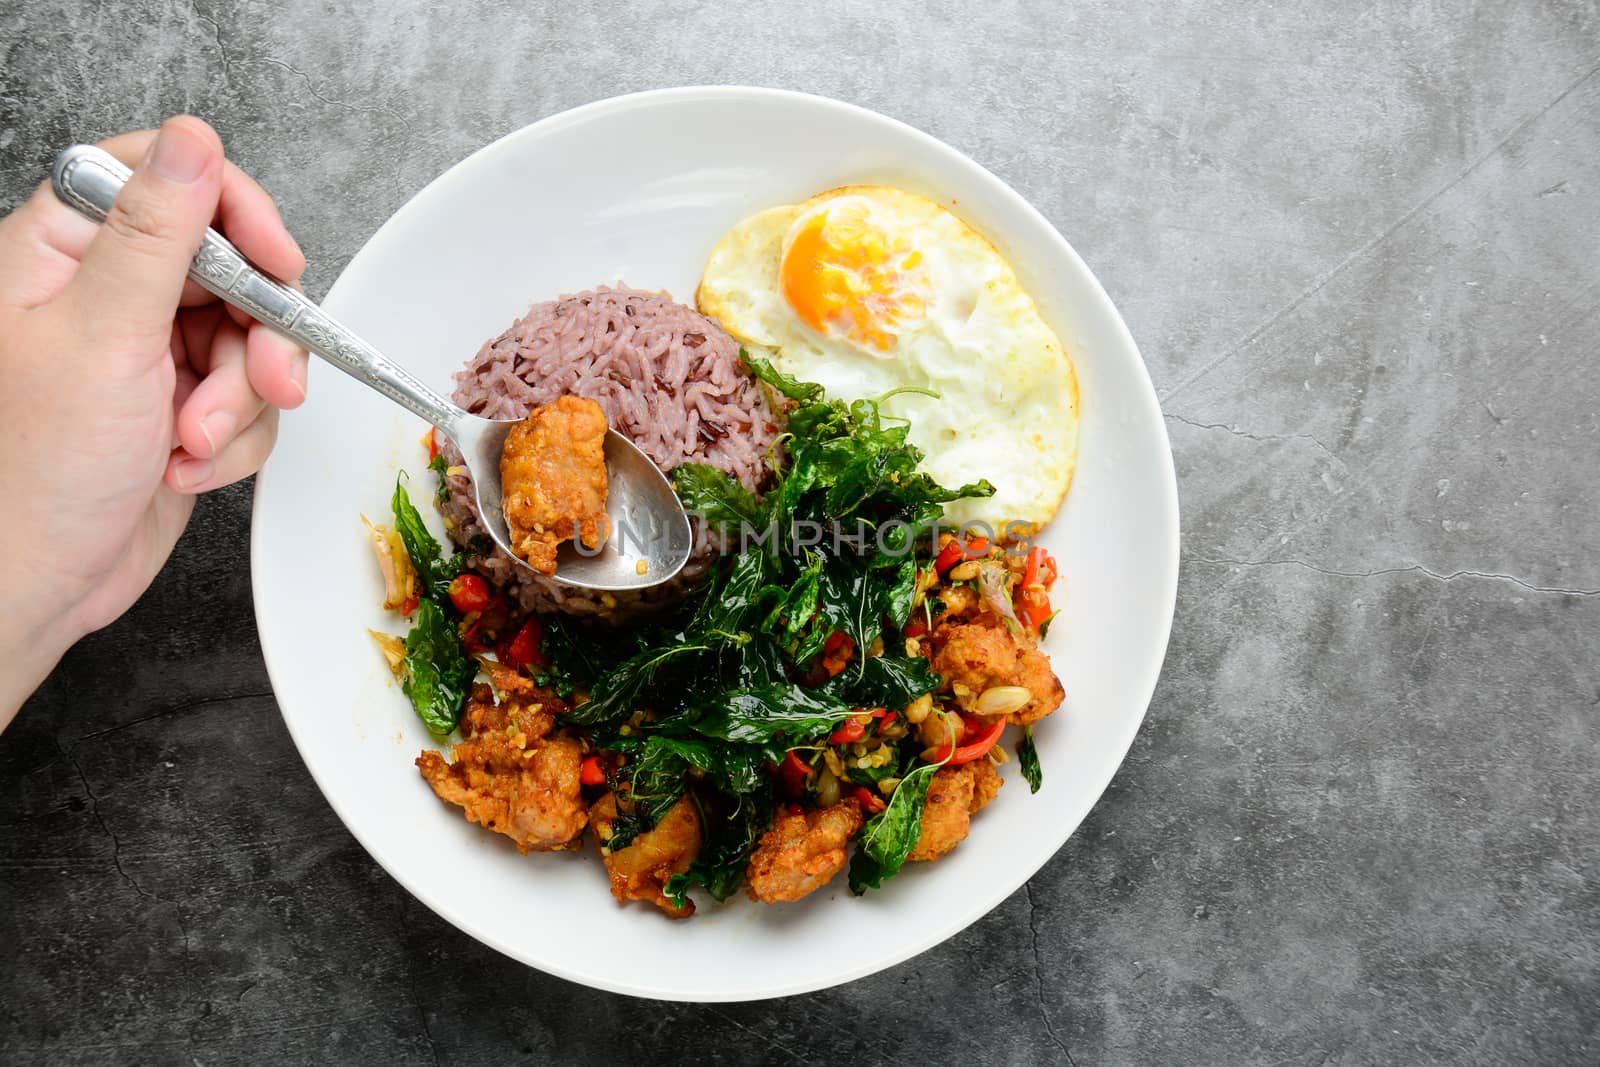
(829, 684)
(805, 704)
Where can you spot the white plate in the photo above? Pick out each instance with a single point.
(640, 188)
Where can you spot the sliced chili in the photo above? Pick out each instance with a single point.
(852, 729)
(1030, 569)
(953, 552)
(836, 652)
(794, 772)
(523, 650)
(979, 746)
(869, 800)
(469, 636)
(591, 772)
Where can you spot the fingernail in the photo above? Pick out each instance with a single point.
(179, 154)
(218, 427)
(193, 472)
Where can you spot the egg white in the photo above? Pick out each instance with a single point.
(1007, 408)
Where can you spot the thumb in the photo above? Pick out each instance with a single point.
(132, 274)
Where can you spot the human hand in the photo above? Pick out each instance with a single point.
(124, 388)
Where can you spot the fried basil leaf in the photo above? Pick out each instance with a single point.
(886, 681)
(729, 843)
(889, 836)
(716, 495)
(616, 695)
(1028, 759)
(762, 714)
(438, 673)
(793, 388)
(436, 573)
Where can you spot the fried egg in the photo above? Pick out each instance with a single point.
(872, 292)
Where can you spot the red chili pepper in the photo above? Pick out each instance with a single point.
(408, 606)
(1030, 569)
(591, 772)
(875, 713)
(870, 801)
(952, 553)
(1032, 606)
(852, 729)
(469, 636)
(836, 652)
(794, 772)
(984, 741)
(433, 444)
(916, 627)
(523, 650)
(469, 593)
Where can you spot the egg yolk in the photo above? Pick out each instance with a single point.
(845, 277)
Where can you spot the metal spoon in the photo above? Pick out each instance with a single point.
(651, 537)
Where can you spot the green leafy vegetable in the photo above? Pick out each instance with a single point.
(656, 784)
(889, 836)
(1028, 759)
(716, 495)
(425, 552)
(617, 693)
(721, 865)
(438, 673)
(886, 682)
(756, 715)
(793, 388)
(438, 466)
(1044, 627)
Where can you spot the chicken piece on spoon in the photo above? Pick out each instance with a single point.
(553, 480)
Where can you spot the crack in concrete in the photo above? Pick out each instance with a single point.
(1262, 437)
(216, 32)
(105, 828)
(1373, 244)
(176, 709)
(1415, 568)
(229, 62)
(411, 986)
(1038, 974)
(312, 89)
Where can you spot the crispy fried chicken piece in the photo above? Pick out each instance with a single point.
(640, 871)
(553, 480)
(954, 796)
(802, 852)
(511, 774)
(975, 656)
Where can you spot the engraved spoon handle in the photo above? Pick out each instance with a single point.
(88, 179)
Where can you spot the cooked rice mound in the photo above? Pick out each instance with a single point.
(667, 377)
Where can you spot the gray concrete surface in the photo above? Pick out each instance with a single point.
(1358, 245)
